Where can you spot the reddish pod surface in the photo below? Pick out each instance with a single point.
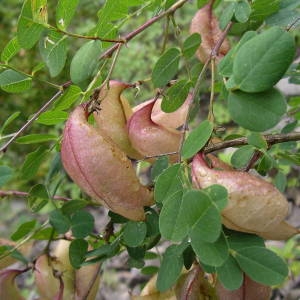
(254, 205)
(111, 118)
(206, 24)
(170, 121)
(78, 284)
(149, 138)
(250, 290)
(8, 287)
(101, 169)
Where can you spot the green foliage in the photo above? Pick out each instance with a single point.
(51, 45)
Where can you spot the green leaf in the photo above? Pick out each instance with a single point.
(6, 174)
(191, 44)
(78, 249)
(152, 223)
(175, 96)
(134, 233)
(10, 50)
(23, 230)
(28, 31)
(283, 18)
(170, 268)
(39, 11)
(280, 181)
(38, 197)
(149, 270)
(262, 265)
(53, 49)
(218, 194)
(73, 206)
(257, 111)
(239, 240)
(9, 120)
(44, 234)
(172, 222)
(33, 161)
(14, 82)
(242, 11)
(168, 183)
(226, 64)
(36, 138)
(52, 117)
(68, 98)
(59, 221)
(166, 67)
(262, 61)
(212, 254)
(205, 216)
(230, 274)
(257, 140)
(65, 11)
(197, 139)
(85, 61)
(263, 8)
(82, 224)
(159, 166)
(242, 156)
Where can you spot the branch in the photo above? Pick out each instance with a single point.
(34, 117)
(137, 31)
(25, 194)
(271, 139)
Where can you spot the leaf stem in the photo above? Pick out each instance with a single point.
(143, 27)
(35, 116)
(271, 139)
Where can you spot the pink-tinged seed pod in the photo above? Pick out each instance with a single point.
(112, 116)
(77, 284)
(206, 24)
(8, 288)
(254, 205)
(171, 121)
(149, 138)
(250, 290)
(101, 169)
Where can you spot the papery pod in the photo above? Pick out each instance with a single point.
(101, 169)
(173, 121)
(254, 205)
(77, 284)
(194, 285)
(206, 24)
(150, 292)
(149, 138)
(111, 118)
(8, 288)
(8, 260)
(250, 290)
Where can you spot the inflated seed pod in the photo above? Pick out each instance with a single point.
(206, 24)
(173, 121)
(149, 138)
(254, 205)
(8, 288)
(250, 290)
(101, 169)
(113, 113)
(77, 284)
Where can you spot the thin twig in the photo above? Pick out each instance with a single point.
(140, 29)
(26, 194)
(34, 117)
(214, 53)
(271, 139)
